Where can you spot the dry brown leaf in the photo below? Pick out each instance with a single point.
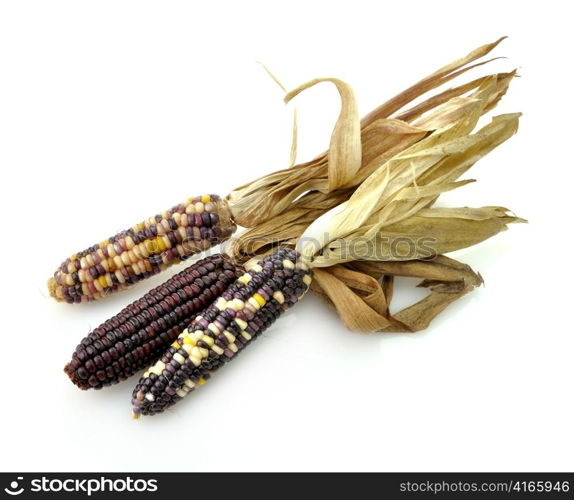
(271, 195)
(361, 292)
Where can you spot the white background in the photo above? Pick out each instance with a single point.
(111, 111)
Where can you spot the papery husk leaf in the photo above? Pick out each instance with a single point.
(344, 155)
(270, 195)
(437, 160)
(434, 80)
(429, 233)
(362, 292)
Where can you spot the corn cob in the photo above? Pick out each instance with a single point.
(143, 250)
(141, 332)
(240, 314)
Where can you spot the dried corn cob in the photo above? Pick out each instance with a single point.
(141, 332)
(251, 304)
(143, 250)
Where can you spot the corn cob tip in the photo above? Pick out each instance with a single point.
(52, 284)
(73, 376)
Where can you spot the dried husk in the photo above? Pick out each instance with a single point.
(362, 292)
(379, 135)
(348, 210)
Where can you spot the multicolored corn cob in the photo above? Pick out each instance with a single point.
(141, 332)
(240, 314)
(143, 250)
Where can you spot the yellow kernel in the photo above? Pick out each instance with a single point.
(201, 381)
(307, 279)
(103, 281)
(206, 198)
(188, 340)
(150, 246)
(176, 345)
(259, 298)
(253, 303)
(160, 245)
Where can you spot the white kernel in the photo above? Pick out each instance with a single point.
(181, 393)
(246, 336)
(204, 352)
(187, 348)
(208, 340)
(179, 358)
(307, 279)
(217, 350)
(158, 368)
(196, 352)
(221, 304)
(189, 383)
(233, 347)
(287, 264)
(245, 279)
(242, 324)
(196, 361)
(149, 397)
(254, 303)
(278, 296)
(239, 304)
(253, 266)
(214, 329)
(229, 336)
